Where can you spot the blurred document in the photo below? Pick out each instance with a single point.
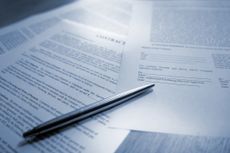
(112, 16)
(173, 143)
(185, 51)
(64, 69)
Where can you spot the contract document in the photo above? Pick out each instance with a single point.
(112, 16)
(64, 69)
(185, 51)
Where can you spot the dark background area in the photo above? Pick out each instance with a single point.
(12, 11)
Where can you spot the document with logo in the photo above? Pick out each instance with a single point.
(185, 51)
(64, 69)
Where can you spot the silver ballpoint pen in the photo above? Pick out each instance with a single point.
(91, 110)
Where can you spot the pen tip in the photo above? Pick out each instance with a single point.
(25, 141)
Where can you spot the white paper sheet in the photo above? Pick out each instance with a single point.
(185, 51)
(61, 70)
(112, 16)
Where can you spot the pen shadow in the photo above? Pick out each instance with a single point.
(73, 125)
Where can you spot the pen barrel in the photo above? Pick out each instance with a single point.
(86, 112)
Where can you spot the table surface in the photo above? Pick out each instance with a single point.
(12, 11)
